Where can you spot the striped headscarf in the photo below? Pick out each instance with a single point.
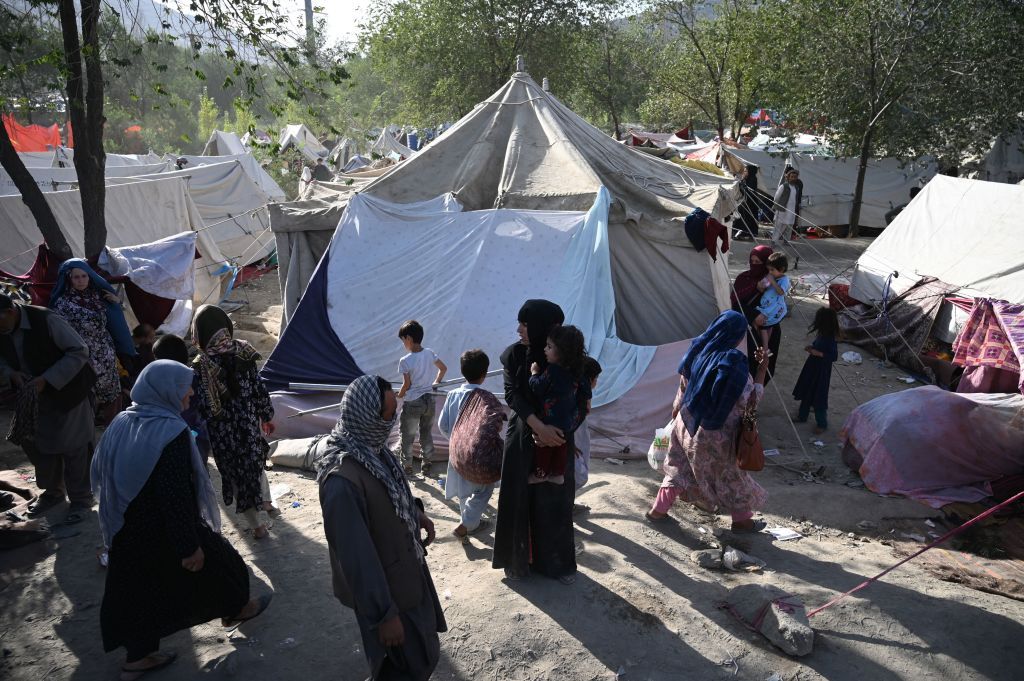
(362, 435)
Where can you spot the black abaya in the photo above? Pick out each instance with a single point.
(148, 594)
(534, 529)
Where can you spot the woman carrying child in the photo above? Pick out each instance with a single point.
(813, 384)
(534, 530)
(746, 296)
(562, 392)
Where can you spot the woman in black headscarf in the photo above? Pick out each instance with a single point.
(747, 224)
(534, 529)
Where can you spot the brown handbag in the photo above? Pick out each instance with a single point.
(749, 450)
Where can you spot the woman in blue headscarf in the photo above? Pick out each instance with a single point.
(169, 567)
(90, 306)
(714, 389)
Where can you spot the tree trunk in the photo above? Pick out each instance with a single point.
(32, 196)
(718, 113)
(85, 107)
(858, 190)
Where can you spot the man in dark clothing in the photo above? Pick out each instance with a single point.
(320, 172)
(40, 352)
(891, 215)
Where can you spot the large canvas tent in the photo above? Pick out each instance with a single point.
(965, 233)
(385, 145)
(249, 164)
(522, 148)
(61, 179)
(829, 185)
(770, 165)
(232, 206)
(165, 203)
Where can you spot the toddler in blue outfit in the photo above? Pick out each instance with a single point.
(772, 309)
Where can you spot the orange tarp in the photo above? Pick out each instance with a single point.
(31, 137)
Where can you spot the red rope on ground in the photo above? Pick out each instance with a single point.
(951, 533)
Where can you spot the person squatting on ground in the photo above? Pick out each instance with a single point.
(813, 383)
(534, 530)
(473, 498)
(170, 568)
(372, 524)
(714, 389)
(418, 408)
(237, 407)
(563, 394)
(48, 362)
(772, 308)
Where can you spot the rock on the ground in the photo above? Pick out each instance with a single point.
(783, 618)
(709, 559)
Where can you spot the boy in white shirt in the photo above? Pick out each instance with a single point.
(418, 409)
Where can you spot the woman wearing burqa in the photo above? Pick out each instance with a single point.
(534, 530)
(745, 297)
(170, 569)
(372, 524)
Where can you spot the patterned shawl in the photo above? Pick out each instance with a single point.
(213, 331)
(362, 435)
(715, 371)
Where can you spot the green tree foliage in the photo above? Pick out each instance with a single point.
(445, 56)
(209, 116)
(902, 78)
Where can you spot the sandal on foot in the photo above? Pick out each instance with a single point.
(164, 660)
(76, 514)
(757, 526)
(461, 536)
(655, 520)
(232, 624)
(481, 526)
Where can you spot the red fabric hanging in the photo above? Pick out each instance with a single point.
(31, 137)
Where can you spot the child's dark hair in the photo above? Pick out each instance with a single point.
(411, 329)
(826, 323)
(779, 261)
(171, 347)
(568, 340)
(591, 368)
(474, 364)
(142, 330)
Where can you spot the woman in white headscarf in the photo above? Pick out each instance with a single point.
(169, 568)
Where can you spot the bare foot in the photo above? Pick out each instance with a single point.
(136, 670)
(261, 532)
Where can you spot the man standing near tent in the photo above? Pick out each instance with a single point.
(42, 356)
(320, 171)
(787, 206)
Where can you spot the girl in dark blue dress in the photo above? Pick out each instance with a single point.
(812, 385)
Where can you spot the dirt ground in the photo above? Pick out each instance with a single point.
(640, 608)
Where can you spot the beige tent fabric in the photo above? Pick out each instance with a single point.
(522, 148)
(165, 203)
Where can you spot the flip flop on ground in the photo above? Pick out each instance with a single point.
(233, 623)
(148, 664)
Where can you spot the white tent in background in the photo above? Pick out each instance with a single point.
(223, 144)
(252, 168)
(300, 137)
(259, 138)
(963, 232)
(232, 206)
(386, 144)
(167, 207)
(64, 157)
(343, 152)
(829, 184)
(37, 159)
(769, 165)
(1004, 162)
(811, 144)
(62, 179)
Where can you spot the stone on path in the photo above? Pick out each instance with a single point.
(783, 617)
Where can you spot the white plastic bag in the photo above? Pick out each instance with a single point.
(659, 447)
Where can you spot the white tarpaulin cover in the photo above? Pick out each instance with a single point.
(522, 148)
(810, 144)
(302, 139)
(233, 208)
(252, 168)
(474, 271)
(65, 156)
(964, 232)
(164, 268)
(62, 179)
(37, 159)
(829, 184)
